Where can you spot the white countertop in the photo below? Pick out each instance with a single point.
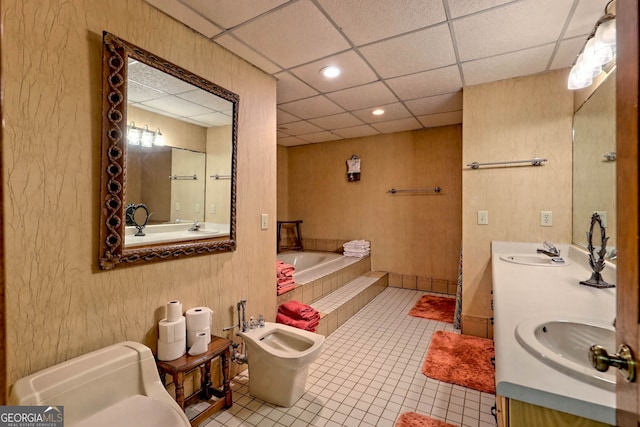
(521, 292)
(173, 233)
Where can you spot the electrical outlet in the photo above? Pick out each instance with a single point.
(177, 206)
(212, 209)
(197, 207)
(546, 218)
(483, 217)
(264, 221)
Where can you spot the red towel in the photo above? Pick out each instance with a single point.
(286, 288)
(285, 270)
(285, 281)
(297, 310)
(307, 325)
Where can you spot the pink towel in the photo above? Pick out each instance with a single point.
(307, 325)
(286, 281)
(286, 288)
(297, 310)
(284, 270)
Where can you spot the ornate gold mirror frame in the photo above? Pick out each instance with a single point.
(113, 181)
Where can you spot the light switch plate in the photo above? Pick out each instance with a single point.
(264, 221)
(483, 217)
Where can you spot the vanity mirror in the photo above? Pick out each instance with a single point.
(169, 144)
(594, 166)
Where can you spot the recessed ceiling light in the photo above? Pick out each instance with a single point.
(378, 112)
(330, 72)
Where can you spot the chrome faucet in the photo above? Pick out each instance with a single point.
(195, 226)
(549, 249)
(242, 317)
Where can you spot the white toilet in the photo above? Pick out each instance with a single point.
(118, 385)
(279, 357)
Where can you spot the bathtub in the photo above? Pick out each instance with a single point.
(303, 261)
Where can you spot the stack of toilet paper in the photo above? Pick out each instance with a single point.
(198, 329)
(172, 333)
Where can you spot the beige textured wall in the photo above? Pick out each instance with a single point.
(218, 190)
(411, 234)
(513, 119)
(283, 183)
(58, 304)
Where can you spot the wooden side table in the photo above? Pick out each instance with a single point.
(218, 347)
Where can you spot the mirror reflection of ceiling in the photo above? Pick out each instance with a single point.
(161, 93)
(411, 58)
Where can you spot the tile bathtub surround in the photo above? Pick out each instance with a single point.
(369, 373)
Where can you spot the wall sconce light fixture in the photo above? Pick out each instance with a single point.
(143, 136)
(598, 51)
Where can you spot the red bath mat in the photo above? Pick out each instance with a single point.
(412, 419)
(434, 308)
(461, 359)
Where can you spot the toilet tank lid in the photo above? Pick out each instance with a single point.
(37, 388)
(139, 411)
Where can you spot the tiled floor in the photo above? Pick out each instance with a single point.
(367, 375)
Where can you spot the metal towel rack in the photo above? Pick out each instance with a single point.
(220, 176)
(434, 190)
(536, 161)
(180, 177)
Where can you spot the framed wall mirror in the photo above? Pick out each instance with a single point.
(169, 145)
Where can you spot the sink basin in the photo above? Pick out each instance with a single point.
(564, 345)
(537, 260)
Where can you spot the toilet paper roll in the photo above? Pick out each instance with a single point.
(174, 310)
(198, 318)
(172, 331)
(200, 345)
(173, 350)
(191, 335)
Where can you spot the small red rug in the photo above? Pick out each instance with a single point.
(461, 359)
(412, 419)
(434, 308)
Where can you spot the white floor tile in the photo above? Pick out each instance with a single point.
(370, 371)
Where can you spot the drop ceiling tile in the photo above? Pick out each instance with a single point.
(293, 35)
(398, 125)
(291, 88)
(517, 26)
(231, 13)
(247, 53)
(311, 108)
(356, 131)
(418, 51)
(388, 18)
(585, 17)
(213, 119)
(207, 99)
(567, 53)
(284, 117)
(320, 137)
(291, 141)
(156, 79)
(391, 112)
(370, 95)
(187, 16)
(429, 83)
(441, 119)
(459, 8)
(299, 128)
(337, 121)
(436, 104)
(177, 106)
(354, 72)
(521, 63)
(137, 92)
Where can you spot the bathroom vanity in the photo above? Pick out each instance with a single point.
(543, 318)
